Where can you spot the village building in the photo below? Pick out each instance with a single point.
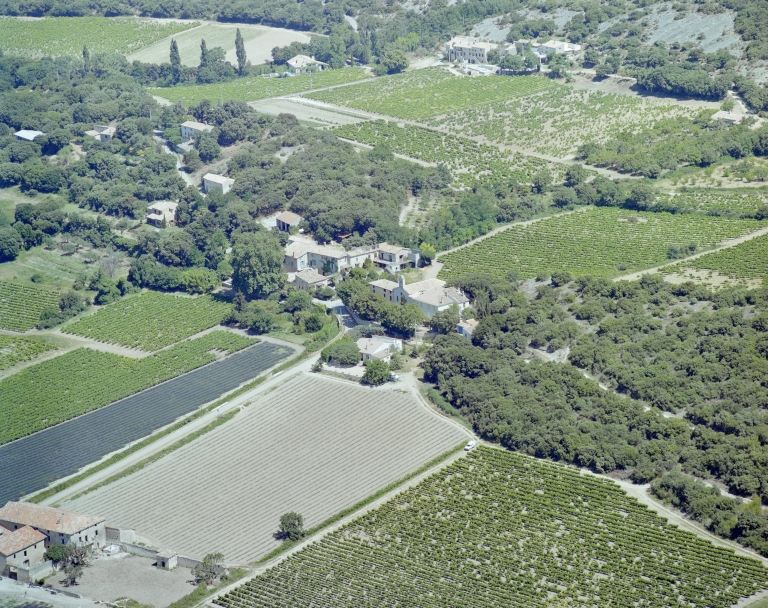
(102, 133)
(467, 328)
(60, 527)
(22, 553)
(27, 135)
(379, 348)
(431, 296)
(469, 50)
(303, 252)
(190, 127)
(287, 220)
(309, 280)
(558, 47)
(162, 214)
(217, 183)
(393, 258)
(302, 63)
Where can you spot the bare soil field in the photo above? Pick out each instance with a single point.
(259, 42)
(313, 445)
(305, 112)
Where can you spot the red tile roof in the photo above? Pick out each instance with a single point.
(18, 540)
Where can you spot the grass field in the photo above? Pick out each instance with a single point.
(469, 162)
(20, 306)
(15, 350)
(314, 445)
(55, 36)
(260, 87)
(420, 94)
(151, 320)
(501, 529)
(82, 380)
(598, 241)
(744, 262)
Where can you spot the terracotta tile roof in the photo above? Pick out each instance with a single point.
(18, 540)
(47, 518)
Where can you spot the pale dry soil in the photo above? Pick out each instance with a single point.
(129, 576)
(304, 112)
(314, 445)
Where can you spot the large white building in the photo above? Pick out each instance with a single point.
(190, 127)
(302, 252)
(431, 296)
(217, 183)
(469, 50)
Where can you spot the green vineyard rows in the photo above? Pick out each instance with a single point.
(150, 321)
(501, 529)
(705, 200)
(20, 306)
(56, 36)
(435, 91)
(469, 161)
(746, 261)
(598, 241)
(250, 89)
(82, 380)
(15, 350)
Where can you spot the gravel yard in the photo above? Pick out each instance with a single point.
(314, 445)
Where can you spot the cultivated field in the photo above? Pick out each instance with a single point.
(744, 263)
(259, 42)
(469, 161)
(151, 321)
(597, 241)
(20, 306)
(55, 36)
(313, 445)
(501, 529)
(421, 94)
(110, 428)
(704, 200)
(304, 111)
(15, 350)
(259, 87)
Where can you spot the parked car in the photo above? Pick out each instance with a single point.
(471, 445)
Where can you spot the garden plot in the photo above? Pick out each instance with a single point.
(259, 41)
(57, 36)
(313, 445)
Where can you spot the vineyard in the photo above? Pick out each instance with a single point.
(150, 321)
(721, 201)
(56, 36)
(15, 350)
(112, 427)
(20, 306)
(420, 94)
(501, 529)
(558, 120)
(598, 241)
(83, 380)
(744, 262)
(469, 161)
(316, 446)
(261, 87)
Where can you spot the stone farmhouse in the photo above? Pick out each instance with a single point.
(287, 220)
(431, 296)
(59, 527)
(162, 214)
(102, 133)
(309, 280)
(468, 50)
(22, 553)
(379, 348)
(302, 252)
(190, 127)
(217, 183)
(303, 63)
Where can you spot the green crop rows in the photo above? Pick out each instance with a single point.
(501, 529)
(55, 36)
(599, 241)
(746, 261)
(20, 306)
(77, 382)
(469, 161)
(423, 93)
(704, 200)
(14, 350)
(150, 321)
(558, 120)
(249, 89)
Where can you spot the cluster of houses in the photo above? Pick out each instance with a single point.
(463, 49)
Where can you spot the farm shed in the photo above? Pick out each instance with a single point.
(214, 183)
(167, 559)
(27, 135)
(162, 214)
(287, 220)
(20, 552)
(60, 527)
(190, 127)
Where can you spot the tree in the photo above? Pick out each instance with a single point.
(558, 64)
(376, 372)
(208, 149)
(240, 52)
(175, 57)
(192, 160)
(291, 526)
(542, 179)
(402, 318)
(10, 243)
(204, 59)
(575, 174)
(297, 300)
(344, 353)
(257, 262)
(58, 553)
(111, 262)
(199, 280)
(428, 252)
(394, 61)
(211, 569)
(71, 575)
(122, 225)
(86, 60)
(445, 321)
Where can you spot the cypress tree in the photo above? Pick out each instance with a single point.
(86, 60)
(175, 57)
(203, 54)
(240, 51)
